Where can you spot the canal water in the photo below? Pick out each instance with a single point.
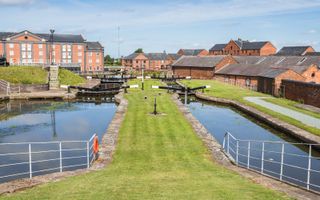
(49, 121)
(221, 119)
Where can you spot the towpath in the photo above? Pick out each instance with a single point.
(306, 119)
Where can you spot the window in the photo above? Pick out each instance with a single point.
(79, 47)
(24, 55)
(90, 53)
(98, 54)
(29, 47)
(90, 60)
(313, 74)
(40, 60)
(11, 46)
(64, 47)
(79, 60)
(11, 53)
(248, 82)
(79, 53)
(69, 47)
(29, 54)
(23, 47)
(40, 53)
(40, 46)
(69, 55)
(97, 60)
(64, 55)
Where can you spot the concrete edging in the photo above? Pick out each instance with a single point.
(219, 156)
(107, 149)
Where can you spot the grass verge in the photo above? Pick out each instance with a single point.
(24, 75)
(227, 91)
(157, 157)
(67, 77)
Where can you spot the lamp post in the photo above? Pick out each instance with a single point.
(51, 44)
(142, 68)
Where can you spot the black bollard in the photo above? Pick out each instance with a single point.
(69, 89)
(155, 106)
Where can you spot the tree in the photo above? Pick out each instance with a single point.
(140, 50)
(108, 60)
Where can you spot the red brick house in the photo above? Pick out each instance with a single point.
(243, 47)
(69, 51)
(150, 61)
(193, 52)
(200, 67)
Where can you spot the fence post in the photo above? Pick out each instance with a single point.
(262, 158)
(60, 150)
(249, 146)
(309, 166)
(237, 153)
(88, 155)
(30, 161)
(282, 157)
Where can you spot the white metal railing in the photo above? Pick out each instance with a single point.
(5, 86)
(36, 158)
(293, 163)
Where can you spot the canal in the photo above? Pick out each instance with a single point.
(220, 119)
(49, 121)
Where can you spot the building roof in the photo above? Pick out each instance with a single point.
(192, 52)
(293, 50)
(132, 56)
(247, 45)
(157, 56)
(174, 56)
(273, 72)
(195, 61)
(94, 46)
(70, 38)
(312, 54)
(218, 47)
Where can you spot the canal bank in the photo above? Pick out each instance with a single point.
(219, 156)
(107, 147)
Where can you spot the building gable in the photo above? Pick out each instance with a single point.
(25, 36)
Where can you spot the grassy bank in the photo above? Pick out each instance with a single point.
(227, 91)
(37, 75)
(157, 157)
(24, 75)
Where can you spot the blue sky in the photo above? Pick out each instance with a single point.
(158, 25)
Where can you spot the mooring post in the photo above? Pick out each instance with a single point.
(309, 167)
(155, 106)
(60, 151)
(30, 161)
(69, 89)
(186, 96)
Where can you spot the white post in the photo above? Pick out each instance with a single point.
(60, 150)
(249, 146)
(237, 153)
(30, 162)
(262, 158)
(228, 138)
(186, 96)
(282, 157)
(309, 167)
(88, 156)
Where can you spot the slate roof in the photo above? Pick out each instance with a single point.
(273, 72)
(157, 56)
(94, 46)
(247, 45)
(174, 56)
(132, 56)
(70, 38)
(218, 47)
(292, 51)
(195, 61)
(312, 54)
(191, 52)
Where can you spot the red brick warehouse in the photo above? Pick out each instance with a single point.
(68, 50)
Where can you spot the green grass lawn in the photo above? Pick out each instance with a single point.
(227, 91)
(37, 75)
(157, 157)
(67, 77)
(24, 75)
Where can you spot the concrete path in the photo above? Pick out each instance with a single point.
(306, 119)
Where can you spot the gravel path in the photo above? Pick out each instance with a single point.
(306, 119)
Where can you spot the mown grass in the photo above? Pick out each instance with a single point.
(227, 91)
(67, 77)
(157, 157)
(24, 75)
(37, 75)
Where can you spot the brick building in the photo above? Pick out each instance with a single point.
(150, 61)
(295, 51)
(69, 51)
(193, 52)
(265, 74)
(200, 67)
(244, 48)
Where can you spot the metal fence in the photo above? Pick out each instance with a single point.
(22, 160)
(5, 87)
(293, 163)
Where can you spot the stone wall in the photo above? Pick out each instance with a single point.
(307, 93)
(29, 88)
